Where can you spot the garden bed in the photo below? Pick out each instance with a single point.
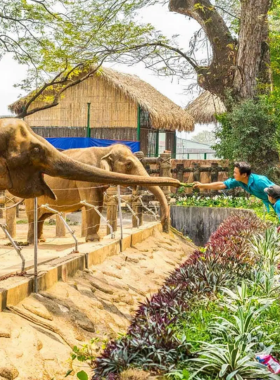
(229, 201)
(213, 314)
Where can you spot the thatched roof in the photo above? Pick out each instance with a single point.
(163, 112)
(204, 108)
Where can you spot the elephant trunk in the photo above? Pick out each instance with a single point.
(64, 167)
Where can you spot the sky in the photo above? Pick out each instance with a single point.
(167, 22)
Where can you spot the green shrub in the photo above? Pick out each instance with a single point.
(250, 133)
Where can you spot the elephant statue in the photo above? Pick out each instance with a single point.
(25, 159)
(116, 158)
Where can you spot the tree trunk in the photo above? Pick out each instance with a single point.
(236, 65)
(252, 53)
(218, 75)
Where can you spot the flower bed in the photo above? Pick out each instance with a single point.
(166, 333)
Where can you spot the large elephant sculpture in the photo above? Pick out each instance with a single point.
(25, 157)
(115, 158)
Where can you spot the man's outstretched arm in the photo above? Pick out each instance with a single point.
(210, 186)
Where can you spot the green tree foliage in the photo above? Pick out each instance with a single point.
(66, 41)
(250, 132)
(240, 138)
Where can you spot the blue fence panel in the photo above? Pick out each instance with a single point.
(86, 142)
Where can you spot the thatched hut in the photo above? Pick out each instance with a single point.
(112, 105)
(204, 108)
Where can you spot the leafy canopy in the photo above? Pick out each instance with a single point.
(61, 40)
(240, 138)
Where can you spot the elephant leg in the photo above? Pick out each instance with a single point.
(41, 221)
(92, 225)
(93, 219)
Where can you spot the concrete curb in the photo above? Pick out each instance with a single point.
(14, 289)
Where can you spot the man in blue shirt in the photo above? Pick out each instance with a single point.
(273, 193)
(250, 182)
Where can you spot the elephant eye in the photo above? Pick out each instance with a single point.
(128, 165)
(36, 150)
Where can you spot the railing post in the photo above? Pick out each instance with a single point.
(120, 215)
(72, 232)
(14, 244)
(165, 171)
(136, 207)
(60, 226)
(111, 201)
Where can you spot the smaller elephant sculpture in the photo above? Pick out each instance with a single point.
(117, 158)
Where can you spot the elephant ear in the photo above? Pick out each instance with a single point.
(106, 162)
(5, 178)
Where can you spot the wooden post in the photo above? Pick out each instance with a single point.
(11, 221)
(111, 202)
(180, 173)
(2, 203)
(214, 172)
(60, 227)
(136, 207)
(214, 175)
(84, 222)
(165, 171)
(140, 156)
(196, 174)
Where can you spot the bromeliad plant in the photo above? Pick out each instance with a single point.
(229, 361)
(267, 246)
(234, 339)
(243, 327)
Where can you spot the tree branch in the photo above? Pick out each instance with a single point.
(209, 19)
(227, 12)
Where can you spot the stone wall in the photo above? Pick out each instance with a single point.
(199, 166)
(200, 222)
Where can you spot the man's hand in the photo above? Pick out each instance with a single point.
(278, 229)
(197, 185)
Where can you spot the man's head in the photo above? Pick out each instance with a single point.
(273, 193)
(242, 170)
